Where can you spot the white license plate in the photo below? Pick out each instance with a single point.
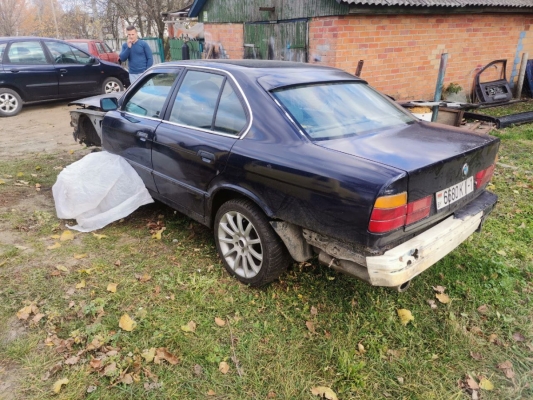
(453, 193)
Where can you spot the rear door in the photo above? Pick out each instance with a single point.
(193, 142)
(101, 51)
(129, 132)
(27, 66)
(77, 74)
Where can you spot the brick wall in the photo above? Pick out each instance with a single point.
(230, 36)
(402, 53)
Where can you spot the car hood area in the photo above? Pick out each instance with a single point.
(410, 147)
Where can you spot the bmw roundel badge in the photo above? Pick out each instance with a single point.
(465, 169)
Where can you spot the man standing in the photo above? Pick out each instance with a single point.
(138, 54)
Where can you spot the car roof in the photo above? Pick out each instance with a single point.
(18, 38)
(273, 74)
(82, 40)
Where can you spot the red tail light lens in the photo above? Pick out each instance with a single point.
(484, 177)
(392, 212)
(418, 210)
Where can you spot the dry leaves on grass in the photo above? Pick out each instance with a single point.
(112, 287)
(143, 278)
(324, 393)
(405, 316)
(157, 234)
(220, 322)
(66, 236)
(190, 327)
(56, 245)
(311, 326)
(163, 354)
(59, 384)
(25, 312)
(507, 369)
(126, 323)
(223, 367)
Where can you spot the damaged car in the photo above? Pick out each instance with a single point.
(288, 161)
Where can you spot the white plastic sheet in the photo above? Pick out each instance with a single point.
(97, 190)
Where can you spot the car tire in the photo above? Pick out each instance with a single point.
(10, 103)
(112, 85)
(250, 249)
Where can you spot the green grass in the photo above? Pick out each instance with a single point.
(265, 334)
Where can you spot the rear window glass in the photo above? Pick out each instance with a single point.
(83, 46)
(334, 110)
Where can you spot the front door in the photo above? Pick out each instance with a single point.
(78, 72)
(129, 131)
(286, 41)
(193, 142)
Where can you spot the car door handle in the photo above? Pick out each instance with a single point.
(15, 70)
(142, 135)
(206, 156)
(63, 71)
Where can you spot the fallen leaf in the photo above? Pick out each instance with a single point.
(324, 393)
(507, 369)
(148, 355)
(126, 323)
(443, 298)
(190, 327)
(271, 395)
(112, 287)
(501, 253)
(220, 322)
(127, 379)
(95, 364)
(163, 354)
(518, 337)
(157, 234)
(310, 326)
(211, 392)
(314, 311)
(143, 278)
(197, 369)
(493, 338)
(110, 369)
(405, 316)
(432, 304)
(37, 318)
(24, 313)
(223, 367)
(57, 386)
(66, 235)
(439, 289)
(56, 245)
(117, 263)
(80, 256)
(81, 284)
(62, 268)
(91, 389)
(471, 383)
(72, 360)
(400, 380)
(55, 237)
(476, 356)
(98, 236)
(485, 384)
(483, 309)
(361, 348)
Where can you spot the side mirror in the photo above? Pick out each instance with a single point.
(109, 104)
(92, 60)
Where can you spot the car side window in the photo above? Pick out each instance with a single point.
(149, 98)
(197, 98)
(100, 48)
(26, 53)
(231, 117)
(65, 54)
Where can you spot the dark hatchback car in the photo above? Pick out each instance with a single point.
(287, 160)
(36, 69)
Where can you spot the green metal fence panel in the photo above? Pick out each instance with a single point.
(176, 45)
(156, 45)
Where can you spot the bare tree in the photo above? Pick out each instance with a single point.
(11, 16)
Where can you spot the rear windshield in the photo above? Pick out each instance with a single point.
(334, 110)
(81, 45)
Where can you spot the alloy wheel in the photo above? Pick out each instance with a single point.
(8, 103)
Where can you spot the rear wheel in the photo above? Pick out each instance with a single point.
(250, 249)
(111, 85)
(10, 102)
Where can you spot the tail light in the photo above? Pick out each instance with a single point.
(392, 212)
(484, 177)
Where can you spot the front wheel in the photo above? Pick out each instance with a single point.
(10, 103)
(250, 249)
(111, 85)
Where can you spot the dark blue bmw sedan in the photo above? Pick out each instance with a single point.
(37, 69)
(286, 161)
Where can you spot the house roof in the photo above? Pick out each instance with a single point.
(442, 3)
(198, 4)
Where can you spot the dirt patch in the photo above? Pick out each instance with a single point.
(40, 128)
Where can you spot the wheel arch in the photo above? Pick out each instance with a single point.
(15, 89)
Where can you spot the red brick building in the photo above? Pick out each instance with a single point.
(400, 41)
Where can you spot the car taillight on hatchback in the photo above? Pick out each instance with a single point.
(393, 212)
(483, 177)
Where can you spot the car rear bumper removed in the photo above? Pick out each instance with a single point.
(402, 263)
